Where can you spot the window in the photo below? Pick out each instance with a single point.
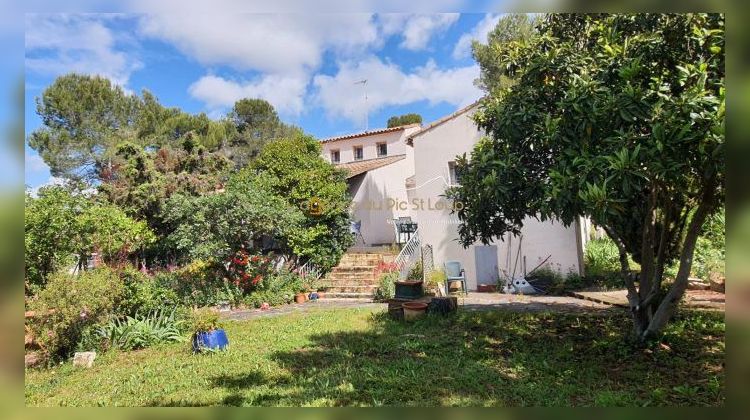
(335, 156)
(358, 153)
(453, 177)
(382, 149)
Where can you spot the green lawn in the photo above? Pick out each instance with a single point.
(357, 357)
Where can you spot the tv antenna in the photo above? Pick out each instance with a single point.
(363, 82)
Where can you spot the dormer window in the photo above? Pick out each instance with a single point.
(358, 153)
(382, 149)
(335, 156)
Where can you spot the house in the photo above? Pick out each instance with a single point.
(403, 172)
(435, 148)
(377, 163)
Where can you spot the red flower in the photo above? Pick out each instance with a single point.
(257, 279)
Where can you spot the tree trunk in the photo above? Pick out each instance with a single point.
(668, 305)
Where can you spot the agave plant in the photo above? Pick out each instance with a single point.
(138, 332)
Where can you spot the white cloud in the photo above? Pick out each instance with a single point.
(388, 85)
(479, 33)
(34, 163)
(271, 43)
(285, 93)
(417, 30)
(57, 44)
(53, 180)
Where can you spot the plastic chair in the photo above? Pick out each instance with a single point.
(454, 272)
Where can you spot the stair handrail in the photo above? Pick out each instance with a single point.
(405, 258)
(310, 269)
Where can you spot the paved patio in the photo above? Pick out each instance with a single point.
(471, 302)
(696, 299)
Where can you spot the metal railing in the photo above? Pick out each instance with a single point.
(410, 253)
(309, 269)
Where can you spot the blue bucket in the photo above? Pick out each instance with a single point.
(216, 340)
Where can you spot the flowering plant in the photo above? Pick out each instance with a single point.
(248, 271)
(386, 267)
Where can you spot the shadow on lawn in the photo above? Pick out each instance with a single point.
(486, 358)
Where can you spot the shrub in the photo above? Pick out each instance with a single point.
(63, 228)
(601, 257)
(272, 297)
(144, 294)
(416, 273)
(387, 287)
(71, 303)
(248, 271)
(203, 320)
(435, 278)
(141, 331)
(200, 283)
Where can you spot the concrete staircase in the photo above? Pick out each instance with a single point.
(356, 275)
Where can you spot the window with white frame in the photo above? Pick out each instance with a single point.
(358, 153)
(382, 149)
(335, 156)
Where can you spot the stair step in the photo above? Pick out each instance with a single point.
(352, 289)
(353, 268)
(348, 295)
(354, 275)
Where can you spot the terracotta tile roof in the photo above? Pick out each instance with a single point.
(369, 133)
(430, 126)
(361, 166)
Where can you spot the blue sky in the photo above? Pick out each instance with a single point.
(304, 64)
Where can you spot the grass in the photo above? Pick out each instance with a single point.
(360, 357)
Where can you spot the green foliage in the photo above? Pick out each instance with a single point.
(416, 273)
(106, 229)
(293, 170)
(710, 250)
(199, 283)
(436, 277)
(272, 297)
(141, 331)
(215, 226)
(406, 119)
(81, 117)
(50, 233)
(143, 294)
(256, 123)
(140, 180)
(619, 118)
(204, 320)
(70, 303)
(512, 31)
(601, 258)
(63, 228)
(386, 285)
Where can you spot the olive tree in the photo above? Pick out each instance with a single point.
(619, 118)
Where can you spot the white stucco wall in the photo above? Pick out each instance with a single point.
(433, 150)
(379, 196)
(394, 139)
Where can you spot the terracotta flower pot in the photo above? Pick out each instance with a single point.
(300, 298)
(414, 310)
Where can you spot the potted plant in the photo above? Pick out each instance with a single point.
(434, 280)
(207, 331)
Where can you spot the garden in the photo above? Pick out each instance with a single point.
(162, 217)
(166, 220)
